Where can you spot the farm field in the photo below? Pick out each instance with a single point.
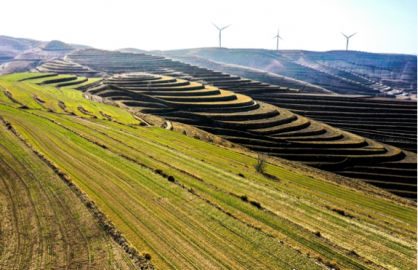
(390, 126)
(265, 128)
(186, 203)
(342, 72)
(391, 121)
(42, 94)
(43, 225)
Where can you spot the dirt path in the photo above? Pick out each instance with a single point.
(141, 120)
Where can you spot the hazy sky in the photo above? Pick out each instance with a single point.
(382, 25)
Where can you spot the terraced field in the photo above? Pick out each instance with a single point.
(61, 66)
(278, 63)
(390, 121)
(57, 93)
(116, 62)
(264, 128)
(343, 72)
(394, 71)
(250, 73)
(194, 205)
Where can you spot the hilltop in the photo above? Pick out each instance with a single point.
(343, 72)
(20, 54)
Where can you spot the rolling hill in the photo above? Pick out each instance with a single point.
(343, 72)
(141, 197)
(206, 158)
(264, 128)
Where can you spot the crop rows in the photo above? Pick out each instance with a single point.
(386, 120)
(42, 94)
(258, 126)
(116, 62)
(43, 223)
(200, 219)
(61, 66)
(344, 72)
(215, 211)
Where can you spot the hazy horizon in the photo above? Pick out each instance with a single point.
(382, 26)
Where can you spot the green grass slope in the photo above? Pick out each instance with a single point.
(43, 225)
(194, 205)
(43, 94)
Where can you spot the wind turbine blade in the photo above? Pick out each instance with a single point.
(278, 31)
(216, 26)
(352, 35)
(275, 37)
(281, 38)
(226, 27)
(344, 35)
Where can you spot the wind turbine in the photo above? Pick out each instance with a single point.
(220, 31)
(346, 48)
(278, 36)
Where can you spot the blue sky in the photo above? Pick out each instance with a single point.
(388, 26)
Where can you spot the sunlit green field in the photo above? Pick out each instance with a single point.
(66, 99)
(194, 205)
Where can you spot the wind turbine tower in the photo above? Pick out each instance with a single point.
(346, 48)
(278, 36)
(220, 33)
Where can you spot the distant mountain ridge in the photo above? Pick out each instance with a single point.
(21, 54)
(344, 72)
(341, 72)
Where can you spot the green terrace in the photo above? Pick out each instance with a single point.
(207, 201)
(259, 126)
(57, 93)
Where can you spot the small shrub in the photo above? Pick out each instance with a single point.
(160, 172)
(130, 250)
(240, 174)
(333, 265)
(147, 256)
(171, 178)
(317, 233)
(318, 258)
(353, 252)
(256, 204)
(244, 198)
(339, 211)
(260, 165)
